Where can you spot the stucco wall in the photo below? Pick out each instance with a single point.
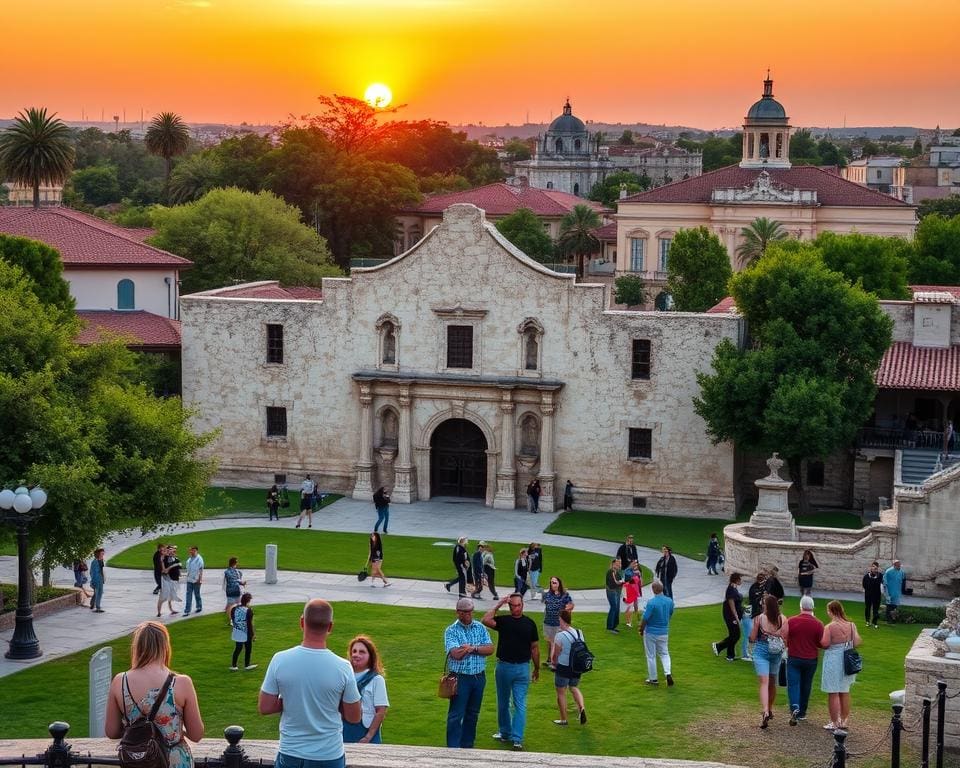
(97, 288)
(923, 670)
(930, 530)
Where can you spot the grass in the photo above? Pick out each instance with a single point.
(687, 536)
(678, 722)
(227, 502)
(333, 552)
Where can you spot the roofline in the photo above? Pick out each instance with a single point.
(113, 264)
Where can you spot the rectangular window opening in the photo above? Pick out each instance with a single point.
(815, 474)
(276, 421)
(640, 362)
(280, 479)
(274, 343)
(637, 245)
(641, 444)
(459, 346)
(639, 502)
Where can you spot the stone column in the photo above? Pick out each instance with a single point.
(772, 520)
(506, 495)
(547, 475)
(405, 490)
(363, 485)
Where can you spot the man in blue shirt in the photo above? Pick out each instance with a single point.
(467, 644)
(655, 627)
(893, 579)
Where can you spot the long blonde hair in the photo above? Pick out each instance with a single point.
(150, 645)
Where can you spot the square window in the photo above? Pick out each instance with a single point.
(274, 343)
(815, 474)
(276, 421)
(641, 444)
(640, 362)
(639, 502)
(459, 346)
(280, 479)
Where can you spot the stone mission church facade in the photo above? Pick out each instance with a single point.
(459, 368)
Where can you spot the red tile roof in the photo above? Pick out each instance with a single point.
(268, 290)
(503, 199)
(905, 366)
(951, 289)
(724, 306)
(138, 328)
(84, 240)
(831, 189)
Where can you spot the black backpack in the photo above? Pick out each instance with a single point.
(142, 744)
(581, 659)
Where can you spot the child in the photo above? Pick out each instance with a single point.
(241, 619)
(633, 590)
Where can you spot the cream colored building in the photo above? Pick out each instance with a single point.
(459, 368)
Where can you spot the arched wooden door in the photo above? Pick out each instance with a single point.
(458, 460)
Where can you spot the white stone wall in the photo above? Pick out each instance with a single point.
(467, 264)
(923, 670)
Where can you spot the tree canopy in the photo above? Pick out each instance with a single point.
(608, 190)
(698, 270)
(42, 265)
(879, 264)
(948, 207)
(804, 385)
(36, 150)
(167, 137)
(578, 234)
(236, 236)
(525, 230)
(756, 237)
(936, 258)
(717, 152)
(630, 290)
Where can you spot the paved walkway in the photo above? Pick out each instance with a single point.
(128, 598)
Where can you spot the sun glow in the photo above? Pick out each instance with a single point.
(378, 95)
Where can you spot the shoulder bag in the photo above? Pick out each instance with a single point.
(142, 744)
(775, 644)
(448, 681)
(852, 660)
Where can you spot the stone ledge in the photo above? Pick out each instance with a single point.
(57, 604)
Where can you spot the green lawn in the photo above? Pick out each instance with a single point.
(686, 535)
(243, 501)
(679, 722)
(330, 552)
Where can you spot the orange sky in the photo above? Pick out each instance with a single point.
(692, 62)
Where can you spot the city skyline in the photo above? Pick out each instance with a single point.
(486, 61)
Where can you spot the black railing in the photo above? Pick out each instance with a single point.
(59, 754)
(881, 437)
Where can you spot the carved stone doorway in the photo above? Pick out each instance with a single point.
(458, 460)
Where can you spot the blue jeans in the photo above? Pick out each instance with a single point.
(535, 580)
(613, 615)
(286, 761)
(97, 595)
(800, 673)
(383, 517)
(512, 679)
(746, 625)
(193, 591)
(464, 711)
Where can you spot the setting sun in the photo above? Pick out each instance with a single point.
(377, 95)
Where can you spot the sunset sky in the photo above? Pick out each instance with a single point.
(691, 62)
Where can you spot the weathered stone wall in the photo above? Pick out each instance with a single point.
(837, 480)
(923, 670)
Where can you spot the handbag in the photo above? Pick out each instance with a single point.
(448, 681)
(362, 574)
(852, 660)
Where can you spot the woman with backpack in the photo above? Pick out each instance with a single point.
(241, 620)
(232, 582)
(151, 690)
(368, 671)
(564, 677)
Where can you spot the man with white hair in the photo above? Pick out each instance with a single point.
(803, 647)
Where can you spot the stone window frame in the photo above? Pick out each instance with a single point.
(527, 326)
(272, 348)
(275, 440)
(664, 235)
(386, 322)
(654, 429)
(460, 315)
(636, 373)
(643, 236)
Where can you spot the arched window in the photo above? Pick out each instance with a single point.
(389, 344)
(125, 295)
(559, 146)
(389, 428)
(531, 332)
(549, 185)
(576, 189)
(577, 145)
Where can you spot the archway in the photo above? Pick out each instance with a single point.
(458, 460)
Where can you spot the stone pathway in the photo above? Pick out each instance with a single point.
(128, 597)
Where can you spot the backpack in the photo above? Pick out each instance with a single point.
(142, 744)
(581, 659)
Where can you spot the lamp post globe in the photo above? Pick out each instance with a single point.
(21, 507)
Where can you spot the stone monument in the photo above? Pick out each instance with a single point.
(270, 571)
(101, 673)
(772, 519)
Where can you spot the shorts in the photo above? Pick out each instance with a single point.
(764, 662)
(550, 632)
(306, 503)
(565, 678)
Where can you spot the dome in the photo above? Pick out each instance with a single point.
(768, 108)
(567, 123)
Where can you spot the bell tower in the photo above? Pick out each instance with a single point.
(766, 132)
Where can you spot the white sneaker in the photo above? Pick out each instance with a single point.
(746, 658)
(251, 666)
(234, 669)
(716, 651)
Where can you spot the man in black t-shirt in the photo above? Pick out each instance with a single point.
(627, 552)
(517, 645)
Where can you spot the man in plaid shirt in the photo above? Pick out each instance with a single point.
(467, 644)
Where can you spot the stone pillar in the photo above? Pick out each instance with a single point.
(405, 490)
(506, 495)
(772, 519)
(363, 485)
(270, 562)
(547, 476)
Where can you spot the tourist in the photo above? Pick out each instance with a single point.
(467, 644)
(564, 677)
(381, 501)
(872, 593)
(461, 564)
(307, 488)
(754, 607)
(774, 587)
(273, 503)
(632, 590)
(533, 493)
(555, 599)
(535, 556)
(133, 693)
(655, 629)
(893, 581)
(732, 614)
(80, 578)
(375, 558)
(310, 687)
(666, 570)
(490, 570)
(627, 552)
(241, 620)
(170, 581)
(97, 579)
(232, 583)
(194, 580)
(476, 567)
(713, 555)
(769, 634)
(807, 565)
(517, 646)
(568, 497)
(803, 648)
(838, 635)
(521, 569)
(158, 565)
(614, 586)
(368, 671)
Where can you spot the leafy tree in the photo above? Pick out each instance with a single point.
(936, 260)
(42, 265)
(756, 237)
(830, 154)
(352, 124)
(803, 149)
(578, 234)
(717, 152)
(97, 185)
(804, 385)
(626, 138)
(167, 137)
(443, 182)
(948, 207)
(698, 270)
(518, 149)
(236, 236)
(629, 290)
(917, 146)
(608, 190)
(133, 216)
(878, 264)
(35, 150)
(525, 230)
(239, 161)
(193, 178)
(130, 157)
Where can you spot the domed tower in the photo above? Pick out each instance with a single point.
(766, 132)
(567, 136)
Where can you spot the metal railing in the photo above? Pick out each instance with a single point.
(880, 437)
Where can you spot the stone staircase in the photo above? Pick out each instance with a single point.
(917, 464)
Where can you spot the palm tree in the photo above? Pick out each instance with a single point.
(578, 234)
(756, 237)
(167, 137)
(36, 150)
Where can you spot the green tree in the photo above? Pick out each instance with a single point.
(236, 236)
(878, 264)
(578, 234)
(756, 237)
(698, 270)
(830, 154)
(608, 190)
(518, 149)
(97, 185)
(525, 230)
(239, 161)
(948, 207)
(630, 290)
(194, 177)
(42, 265)
(936, 260)
(626, 138)
(36, 150)
(803, 149)
(717, 152)
(167, 137)
(804, 385)
(129, 156)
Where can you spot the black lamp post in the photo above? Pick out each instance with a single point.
(21, 507)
